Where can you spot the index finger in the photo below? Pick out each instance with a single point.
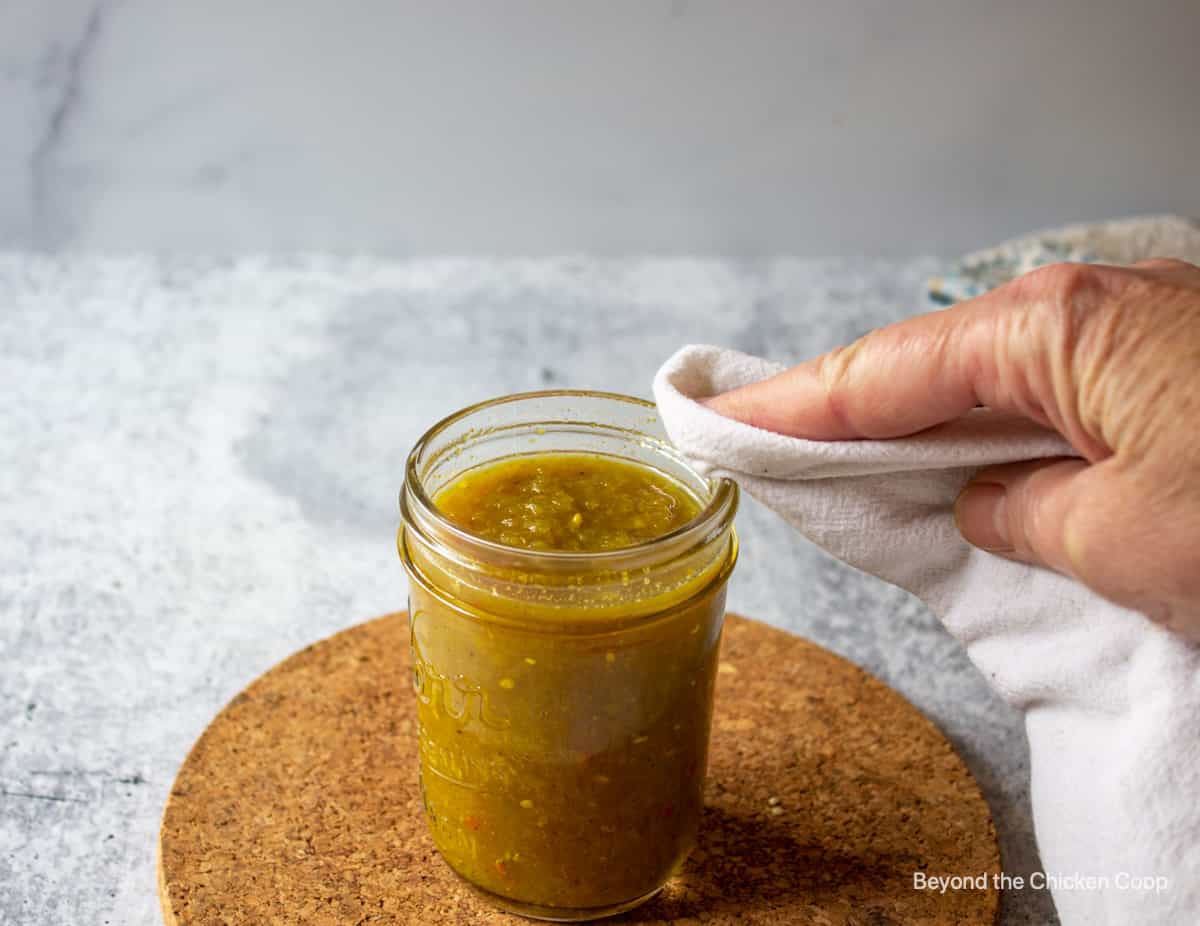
(1008, 349)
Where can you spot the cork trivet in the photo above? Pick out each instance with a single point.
(826, 791)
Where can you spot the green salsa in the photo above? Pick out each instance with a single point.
(569, 502)
(563, 755)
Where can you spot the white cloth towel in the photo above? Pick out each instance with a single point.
(1111, 702)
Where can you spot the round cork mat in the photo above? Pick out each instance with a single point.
(826, 791)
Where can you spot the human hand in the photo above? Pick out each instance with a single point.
(1107, 356)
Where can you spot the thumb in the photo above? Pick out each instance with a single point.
(1020, 510)
(1093, 522)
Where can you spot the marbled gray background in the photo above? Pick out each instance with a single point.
(613, 127)
(201, 463)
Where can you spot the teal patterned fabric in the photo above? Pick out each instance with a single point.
(974, 275)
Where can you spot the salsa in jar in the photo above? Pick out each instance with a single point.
(566, 600)
(577, 502)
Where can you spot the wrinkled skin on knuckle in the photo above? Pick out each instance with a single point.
(1034, 331)
(1017, 371)
(1060, 286)
(1149, 341)
(1108, 364)
(866, 404)
(1117, 350)
(835, 373)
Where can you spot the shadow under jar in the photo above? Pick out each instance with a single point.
(564, 698)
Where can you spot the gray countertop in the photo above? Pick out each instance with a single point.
(201, 463)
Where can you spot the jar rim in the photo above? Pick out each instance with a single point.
(715, 517)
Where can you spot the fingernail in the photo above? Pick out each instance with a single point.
(981, 513)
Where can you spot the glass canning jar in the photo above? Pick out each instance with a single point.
(564, 699)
